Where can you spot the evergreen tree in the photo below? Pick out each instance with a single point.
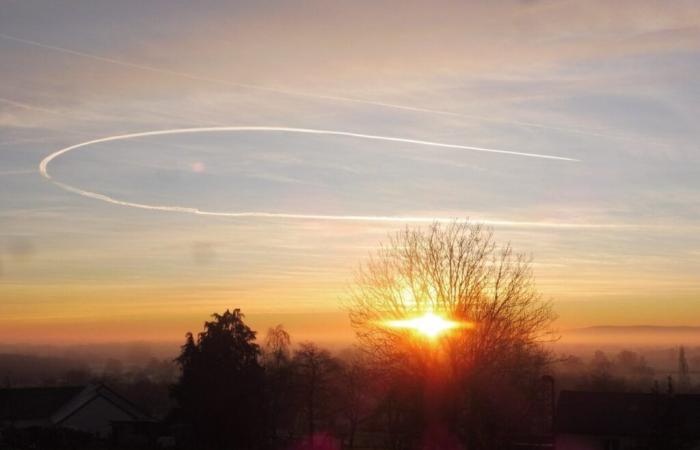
(221, 386)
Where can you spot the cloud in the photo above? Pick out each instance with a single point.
(361, 43)
(351, 51)
(4, 173)
(559, 78)
(189, 76)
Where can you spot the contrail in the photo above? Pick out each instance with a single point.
(299, 93)
(44, 163)
(94, 195)
(26, 106)
(43, 170)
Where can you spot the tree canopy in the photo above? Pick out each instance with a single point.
(459, 272)
(220, 389)
(454, 271)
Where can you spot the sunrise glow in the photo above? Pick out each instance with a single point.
(429, 325)
(338, 225)
(172, 182)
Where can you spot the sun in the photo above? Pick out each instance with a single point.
(429, 325)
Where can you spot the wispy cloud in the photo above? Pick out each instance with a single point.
(610, 83)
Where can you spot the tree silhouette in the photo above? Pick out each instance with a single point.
(277, 342)
(356, 395)
(454, 270)
(315, 371)
(221, 386)
(684, 382)
(279, 382)
(457, 271)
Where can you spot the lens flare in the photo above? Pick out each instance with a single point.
(429, 325)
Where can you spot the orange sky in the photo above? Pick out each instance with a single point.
(612, 87)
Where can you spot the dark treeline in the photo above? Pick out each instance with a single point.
(626, 371)
(230, 388)
(237, 391)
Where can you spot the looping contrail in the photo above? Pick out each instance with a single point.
(44, 163)
(43, 170)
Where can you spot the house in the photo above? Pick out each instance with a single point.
(621, 421)
(92, 409)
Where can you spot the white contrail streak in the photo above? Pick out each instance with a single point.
(299, 93)
(43, 170)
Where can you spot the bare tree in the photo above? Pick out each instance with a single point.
(278, 374)
(357, 396)
(276, 349)
(316, 372)
(458, 272)
(684, 382)
(455, 270)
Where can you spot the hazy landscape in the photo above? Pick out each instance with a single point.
(332, 225)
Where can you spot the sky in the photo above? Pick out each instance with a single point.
(610, 88)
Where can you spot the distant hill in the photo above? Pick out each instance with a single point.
(634, 329)
(639, 335)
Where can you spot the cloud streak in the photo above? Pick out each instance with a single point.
(294, 93)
